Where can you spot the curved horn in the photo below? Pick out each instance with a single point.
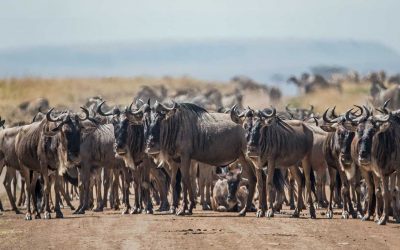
(326, 118)
(355, 112)
(333, 113)
(266, 115)
(347, 115)
(174, 106)
(50, 119)
(86, 114)
(367, 112)
(311, 108)
(101, 112)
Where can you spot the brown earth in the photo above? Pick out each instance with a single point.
(202, 230)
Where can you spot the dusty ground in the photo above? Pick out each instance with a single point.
(202, 230)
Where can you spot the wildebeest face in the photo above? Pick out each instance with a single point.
(365, 133)
(233, 180)
(344, 140)
(153, 132)
(253, 138)
(121, 124)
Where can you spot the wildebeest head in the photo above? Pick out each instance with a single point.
(260, 120)
(245, 119)
(152, 125)
(69, 126)
(235, 181)
(121, 120)
(344, 136)
(367, 127)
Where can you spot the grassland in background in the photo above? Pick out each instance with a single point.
(73, 92)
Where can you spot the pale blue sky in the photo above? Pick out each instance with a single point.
(51, 22)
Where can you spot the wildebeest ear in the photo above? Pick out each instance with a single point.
(328, 128)
(2, 122)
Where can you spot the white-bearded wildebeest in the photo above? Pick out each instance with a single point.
(40, 148)
(376, 150)
(130, 145)
(188, 132)
(273, 142)
(337, 153)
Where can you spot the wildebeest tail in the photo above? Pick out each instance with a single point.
(70, 179)
(279, 180)
(312, 180)
(338, 185)
(167, 177)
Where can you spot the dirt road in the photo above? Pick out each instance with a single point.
(202, 230)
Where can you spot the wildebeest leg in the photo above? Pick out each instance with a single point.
(269, 187)
(297, 175)
(125, 189)
(22, 195)
(64, 192)
(307, 174)
(261, 192)
(107, 175)
(25, 172)
(332, 183)
(208, 195)
(291, 191)
(32, 189)
(248, 170)
(10, 172)
(370, 188)
(185, 171)
(175, 193)
(46, 183)
(99, 198)
(146, 186)
(115, 188)
(58, 188)
(84, 182)
(386, 200)
(378, 197)
(357, 188)
(161, 185)
(345, 193)
(136, 189)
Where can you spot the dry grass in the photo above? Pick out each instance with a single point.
(351, 94)
(73, 92)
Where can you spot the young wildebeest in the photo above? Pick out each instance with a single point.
(188, 132)
(273, 142)
(230, 192)
(376, 150)
(129, 145)
(337, 152)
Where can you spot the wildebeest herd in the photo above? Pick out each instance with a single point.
(238, 159)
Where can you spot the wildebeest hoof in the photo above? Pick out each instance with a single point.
(206, 207)
(329, 214)
(59, 215)
(359, 215)
(313, 215)
(243, 212)
(292, 207)
(172, 210)
(270, 213)
(98, 209)
(345, 215)
(149, 211)
(188, 212)
(366, 217)
(17, 211)
(260, 213)
(296, 213)
(125, 211)
(180, 212)
(28, 216)
(382, 221)
(221, 209)
(37, 216)
(47, 215)
(135, 210)
(72, 207)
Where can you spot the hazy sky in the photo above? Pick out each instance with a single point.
(52, 22)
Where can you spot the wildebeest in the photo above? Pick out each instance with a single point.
(130, 145)
(337, 152)
(273, 142)
(377, 151)
(230, 192)
(188, 132)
